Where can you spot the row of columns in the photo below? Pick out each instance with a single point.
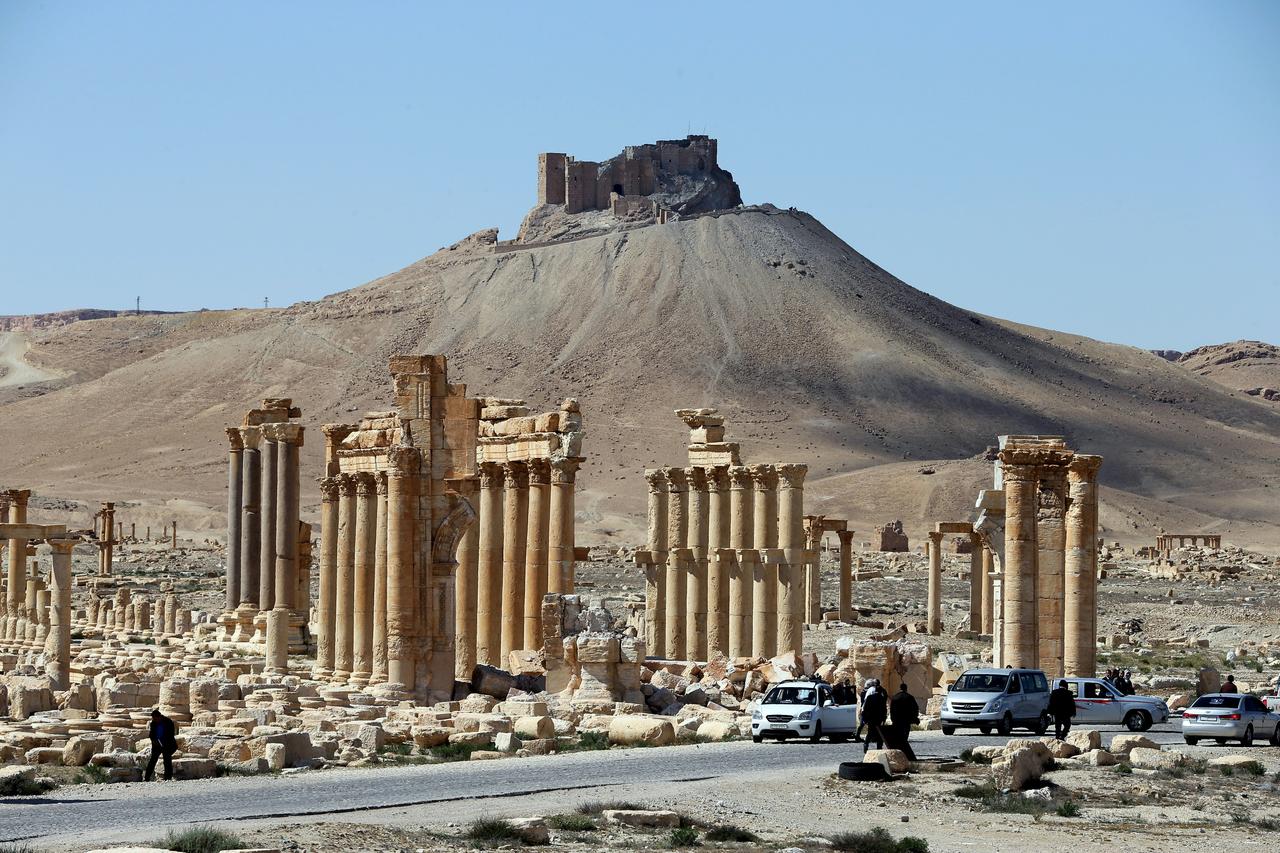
(263, 532)
(980, 566)
(520, 549)
(1049, 578)
(726, 558)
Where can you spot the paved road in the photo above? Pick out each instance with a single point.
(62, 815)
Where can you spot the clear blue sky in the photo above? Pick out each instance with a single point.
(1111, 169)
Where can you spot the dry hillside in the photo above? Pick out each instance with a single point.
(813, 352)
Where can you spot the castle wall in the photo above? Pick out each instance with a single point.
(551, 178)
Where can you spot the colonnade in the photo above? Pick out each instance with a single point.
(725, 563)
(262, 543)
(1049, 578)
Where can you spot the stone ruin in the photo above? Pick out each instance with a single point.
(891, 537)
(1040, 522)
(726, 558)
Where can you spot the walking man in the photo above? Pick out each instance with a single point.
(905, 713)
(874, 711)
(164, 741)
(1062, 707)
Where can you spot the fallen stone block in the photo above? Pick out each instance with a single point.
(648, 819)
(894, 760)
(632, 729)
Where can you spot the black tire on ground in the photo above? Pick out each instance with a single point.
(1005, 726)
(861, 771)
(839, 738)
(985, 729)
(756, 739)
(948, 730)
(1191, 741)
(1221, 741)
(1247, 740)
(1137, 721)
(817, 734)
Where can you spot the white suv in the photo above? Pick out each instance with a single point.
(804, 709)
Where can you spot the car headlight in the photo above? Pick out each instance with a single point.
(807, 715)
(996, 704)
(755, 715)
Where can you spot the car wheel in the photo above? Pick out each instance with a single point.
(1191, 741)
(1221, 741)
(986, 729)
(1275, 735)
(1005, 726)
(948, 730)
(1247, 740)
(1137, 721)
(817, 734)
(756, 739)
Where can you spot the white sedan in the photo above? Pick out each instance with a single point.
(803, 709)
(1100, 703)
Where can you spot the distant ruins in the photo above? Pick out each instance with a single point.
(1041, 523)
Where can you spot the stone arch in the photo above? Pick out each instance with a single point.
(445, 538)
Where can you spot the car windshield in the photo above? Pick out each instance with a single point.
(1217, 702)
(976, 682)
(791, 696)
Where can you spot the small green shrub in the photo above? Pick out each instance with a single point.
(971, 757)
(877, 840)
(497, 832)
(17, 848)
(457, 751)
(684, 836)
(610, 806)
(572, 823)
(1270, 824)
(401, 749)
(1241, 817)
(731, 833)
(1253, 768)
(587, 742)
(17, 786)
(1124, 769)
(1068, 809)
(1227, 770)
(199, 839)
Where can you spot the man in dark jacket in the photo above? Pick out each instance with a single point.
(1062, 707)
(904, 711)
(164, 741)
(874, 711)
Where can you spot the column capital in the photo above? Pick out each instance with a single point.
(380, 482)
(676, 480)
(764, 477)
(284, 432)
(18, 497)
(403, 461)
(62, 546)
(250, 437)
(935, 537)
(697, 479)
(346, 484)
(490, 475)
(539, 472)
(657, 480)
(329, 489)
(1083, 468)
(718, 478)
(233, 438)
(515, 475)
(739, 477)
(564, 471)
(846, 536)
(365, 486)
(791, 475)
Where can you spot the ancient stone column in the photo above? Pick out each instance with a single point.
(328, 578)
(846, 575)
(288, 505)
(107, 554)
(277, 657)
(560, 527)
(741, 538)
(489, 568)
(267, 503)
(656, 571)
(1020, 552)
(41, 618)
(366, 547)
(988, 592)
(235, 476)
(17, 563)
(764, 589)
(250, 533)
(1051, 542)
(677, 538)
(793, 580)
(717, 569)
(764, 622)
(58, 641)
(934, 610)
(535, 553)
(464, 596)
(695, 577)
(1080, 603)
(345, 590)
(380, 581)
(977, 583)
(402, 588)
(515, 531)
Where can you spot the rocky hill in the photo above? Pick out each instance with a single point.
(1249, 366)
(812, 351)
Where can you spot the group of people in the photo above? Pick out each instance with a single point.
(886, 720)
(1120, 679)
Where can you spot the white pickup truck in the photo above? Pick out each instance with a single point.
(803, 709)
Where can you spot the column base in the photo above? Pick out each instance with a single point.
(298, 642)
(244, 614)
